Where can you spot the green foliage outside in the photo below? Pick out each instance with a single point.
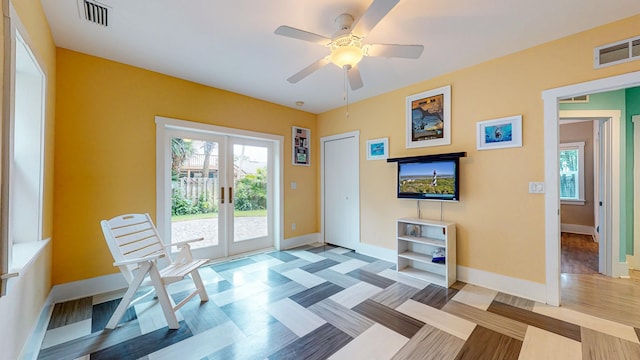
(251, 191)
(180, 151)
(182, 206)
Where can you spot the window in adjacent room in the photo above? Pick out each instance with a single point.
(572, 173)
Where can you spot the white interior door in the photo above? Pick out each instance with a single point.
(341, 190)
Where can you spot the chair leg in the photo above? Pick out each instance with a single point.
(197, 280)
(163, 298)
(128, 296)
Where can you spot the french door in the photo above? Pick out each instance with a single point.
(221, 189)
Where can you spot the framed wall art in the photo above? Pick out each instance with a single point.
(499, 133)
(429, 118)
(378, 149)
(300, 146)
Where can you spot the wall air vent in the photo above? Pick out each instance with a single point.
(95, 12)
(617, 53)
(575, 99)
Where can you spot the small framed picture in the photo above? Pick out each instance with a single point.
(429, 118)
(378, 149)
(499, 133)
(300, 146)
(413, 230)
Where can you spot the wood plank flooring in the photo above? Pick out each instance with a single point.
(579, 254)
(325, 302)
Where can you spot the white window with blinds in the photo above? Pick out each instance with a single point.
(572, 173)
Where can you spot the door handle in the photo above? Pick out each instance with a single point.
(230, 195)
(222, 195)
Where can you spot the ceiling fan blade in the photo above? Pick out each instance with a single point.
(302, 35)
(376, 11)
(355, 80)
(308, 70)
(393, 50)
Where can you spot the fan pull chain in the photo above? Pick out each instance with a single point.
(346, 89)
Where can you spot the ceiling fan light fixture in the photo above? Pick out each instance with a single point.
(346, 56)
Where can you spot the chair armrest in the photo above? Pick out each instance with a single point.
(183, 243)
(138, 260)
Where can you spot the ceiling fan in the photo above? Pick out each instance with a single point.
(347, 46)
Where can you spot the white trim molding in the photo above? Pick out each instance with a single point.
(577, 229)
(634, 260)
(302, 240)
(377, 252)
(551, 172)
(87, 287)
(508, 285)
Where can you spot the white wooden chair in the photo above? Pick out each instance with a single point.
(136, 248)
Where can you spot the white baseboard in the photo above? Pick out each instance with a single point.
(293, 242)
(577, 229)
(66, 292)
(508, 285)
(32, 345)
(87, 287)
(377, 252)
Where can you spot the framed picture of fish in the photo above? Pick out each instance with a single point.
(429, 118)
(499, 133)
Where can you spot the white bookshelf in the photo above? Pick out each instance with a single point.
(417, 239)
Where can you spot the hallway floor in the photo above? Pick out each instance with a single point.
(329, 302)
(579, 254)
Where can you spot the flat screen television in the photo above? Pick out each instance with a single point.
(433, 179)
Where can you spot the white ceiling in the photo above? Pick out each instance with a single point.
(231, 44)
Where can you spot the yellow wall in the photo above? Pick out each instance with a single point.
(105, 151)
(500, 225)
(26, 294)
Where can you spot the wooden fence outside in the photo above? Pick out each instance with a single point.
(192, 188)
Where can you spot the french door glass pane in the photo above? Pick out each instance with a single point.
(250, 192)
(195, 186)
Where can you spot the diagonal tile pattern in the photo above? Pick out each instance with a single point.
(326, 302)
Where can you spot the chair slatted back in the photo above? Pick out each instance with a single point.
(131, 236)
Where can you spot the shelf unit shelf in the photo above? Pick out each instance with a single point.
(417, 240)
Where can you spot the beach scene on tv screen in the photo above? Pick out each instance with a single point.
(428, 179)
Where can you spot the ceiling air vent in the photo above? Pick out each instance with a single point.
(617, 53)
(96, 13)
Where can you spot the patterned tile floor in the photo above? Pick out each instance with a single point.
(328, 302)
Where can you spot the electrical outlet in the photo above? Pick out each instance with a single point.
(294, 185)
(293, 226)
(536, 187)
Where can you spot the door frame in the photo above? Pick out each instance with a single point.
(607, 187)
(634, 260)
(163, 164)
(352, 134)
(551, 99)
